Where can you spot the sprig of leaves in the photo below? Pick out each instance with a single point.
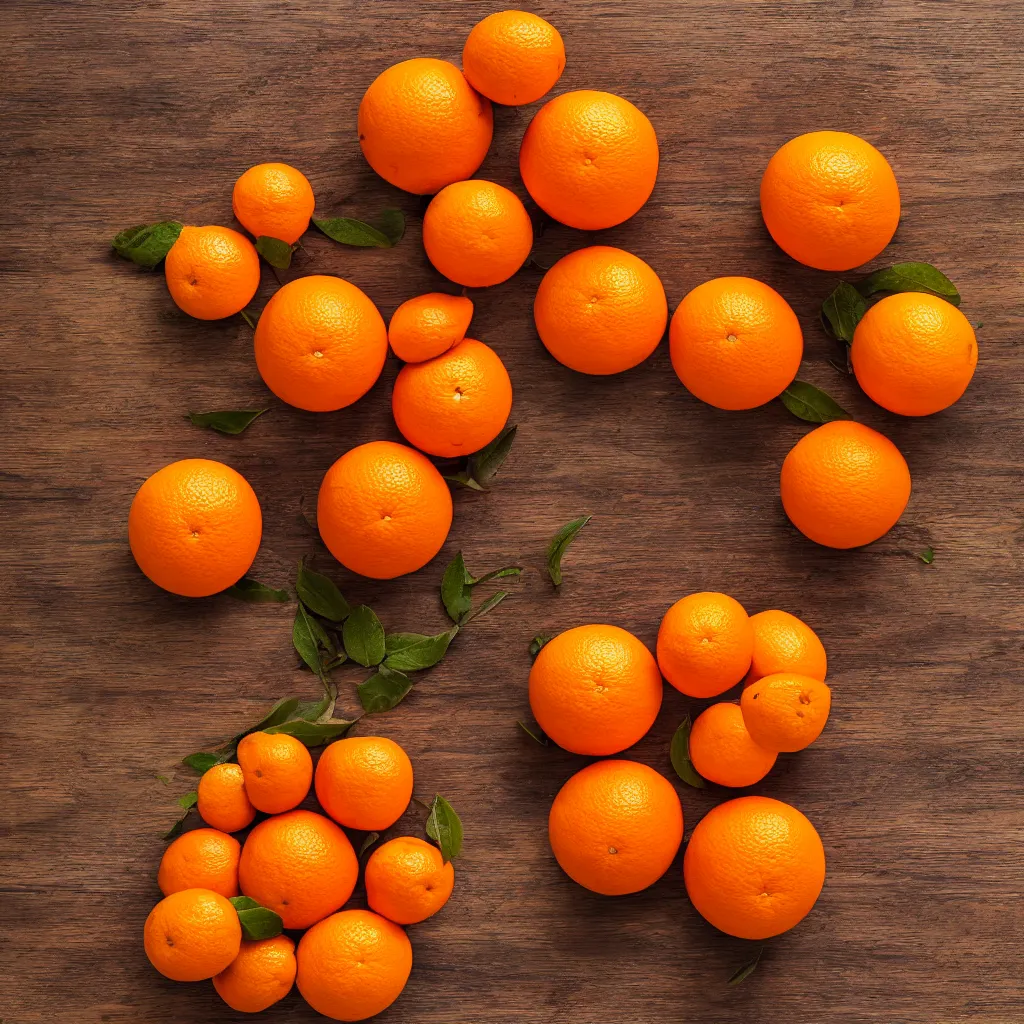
(231, 422)
(457, 589)
(384, 234)
(482, 467)
(679, 752)
(558, 545)
(257, 921)
(809, 403)
(147, 244)
(445, 827)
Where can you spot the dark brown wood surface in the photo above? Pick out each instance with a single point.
(119, 112)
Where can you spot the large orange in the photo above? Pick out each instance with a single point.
(427, 325)
(754, 867)
(615, 827)
(212, 272)
(407, 880)
(262, 974)
(589, 159)
(423, 126)
(364, 782)
(784, 643)
(595, 689)
(320, 343)
(274, 200)
(600, 310)
(723, 751)
(735, 343)
(830, 200)
(204, 858)
(223, 801)
(844, 484)
(383, 510)
(192, 935)
(195, 527)
(277, 770)
(786, 711)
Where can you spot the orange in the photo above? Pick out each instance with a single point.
(204, 858)
(427, 325)
(735, 343)
(786, 711)
(844, 484)
(364, 782)
(212, 272)
(300, 865)
(477, 233)
(595, 689)
(705, 644)
(722, 750)
(274, 200)
(914, 354)
(383, 510)
(830, 200)
(353, 965)
(615, 827)
(422, 126)
(600, 310)
(223, 802)
(277, 771)
(754, 867)
(195, 527)
(784, 643)
(407, 880)
(262, 974)
(320, 343)
(513, 57)
(589, 159)
(192, 935)
(454, 404)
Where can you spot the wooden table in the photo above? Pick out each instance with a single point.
(121, 112)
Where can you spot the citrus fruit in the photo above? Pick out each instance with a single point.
(453, 404)
(513, 57)
(914, 354)
(353, 965)
(277, 770)
(320, 343)
(262, 974)
(589, 159)
(615, 827)
(192, 935)
(784, 643)
(477, 233)
(427, 325)
(383, 510)
(212, 272)
(705, 644)
(195, 527)
(735, 343)
(595, 689)
(364, 782)
(223, 802)
(204, 858)
(844, 484)
(422, 125)
(600, 310)
(274, 200)
(830, 200)
(754, 867)
(786, 711)
(722, 750)
(300, 865)
(407, 880)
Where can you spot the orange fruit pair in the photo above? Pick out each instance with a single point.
(364, 782)
(212, 272)
(262, 974)
(192, 935)
(407, 880)
(723, 750)
(274, 200)
(428, 325)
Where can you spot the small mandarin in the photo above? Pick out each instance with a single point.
(277, 770)
(364, 782)
(723, 751)
(407, 880)
(784, 643)
(274, 200)
(262, 974)
(223, 802)
(428, 325)
(212, 272)
(786, 711)
(204, 858)
(192, 935)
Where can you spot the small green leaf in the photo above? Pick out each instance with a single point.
(927, 556)
(383, 690)
(315, 710)
(679, 752)
(320, 595)
(371, 838)
(809, 403)
(336, 661)
(536, 733)
(538, 642)
(391, 223)
(356, 232)
(557, 547)
(280, 712)
(411, 652)
(911, 277)
(249, 318)
(363, 636)
(842, 311)
(147, 244)
(492, 602)
(201, 762)
(231, 422)
(257, 921)
(313, 734)
(456, 588)
(309, 639)
(247, 589)
(483, 466)
(497, 574)
(187, 803)
(746, 970)
(188, 800)
(445, 828)
(159, 778)
(277, 253)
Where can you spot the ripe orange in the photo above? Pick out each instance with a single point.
(600, 310)
(844, 484)
(723, 751)
(212, 272)
(615, 827)
(784, 643)
(384, 510)
(754, 867)
(830, 200)
(353, 965)
(274, 200)
(300, 865)
(705, 644)
(786, 711)
(320, 343)
(477, 233)
(195, 527)
(407, 880)
(262, 974)
(428, 325)
(277, 771)
(364, 782)
(223, 802)
(589, 159)
(204, 858)
(192, 935)
(513, 57)
(595, 689)
(914, 354)
(735, 343)
(454, 404)
(422, 126)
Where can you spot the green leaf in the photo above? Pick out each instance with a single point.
(498, 574)
(231, 422)
(809, 403)
(249, 318)
(911, 277)
(746, 970)
(456, 588)
(391, 223)
(492, 602)
(842, 310)
(247, 589)
(277, 253)
(363, 636)
(391, 227)
(280, 712)
(334, 663)
(188, 800)
(371, 838)
(445, 828)
(927, 556)
(483, 466)
(309, 639)
(147, 244)
(411, 652)
(257, 921)
(679, 752)
(313, 734)
(557, 547)
(201, 762)
(159, 778)
(538, 642)
(383, 690)
(320, 595)
(536, 733)
(187, 803)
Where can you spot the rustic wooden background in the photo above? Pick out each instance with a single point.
(116, 112)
